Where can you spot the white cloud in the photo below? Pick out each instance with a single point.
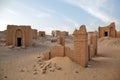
(71, 21)
(43, 15)
(11, 11)
(3, 24)
(26, 10)
(98, 8)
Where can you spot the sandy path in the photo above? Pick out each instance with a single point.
(13, 61)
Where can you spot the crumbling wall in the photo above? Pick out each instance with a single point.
(69, 53)
(55, 33)
(81, 46)
(80, 52)
(61, 40)
(34, 33)
(2, 37)
(41, 33)
(64, 33)
(118, 34)
(28, 35)
(57, 50)
(47, 55)
(92, 44)
(107, 31)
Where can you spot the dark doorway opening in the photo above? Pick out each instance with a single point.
(106, 34)
(19, 40)
(42, 35)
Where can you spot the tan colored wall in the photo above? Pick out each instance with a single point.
(57, 50)
(110, 29)
(92, 45)
(34, 33)
(47, 55)
(55, 33)
(23, 32)
(81, 46)
(42, 33)
(69, 53)
(28, 35)
(80, 53)
(3, 34)
(93, 41)
(102, 30)
(91, 51)
(61, 40)
(118, 34)
(64, 33)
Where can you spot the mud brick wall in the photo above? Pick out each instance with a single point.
(118, 35)
(19, 35)
(41, 34)
(81, 46)
(61, 40)
(57, 50)
(107, 31)
(34, 33)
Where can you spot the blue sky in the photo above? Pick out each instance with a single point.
(47, 15)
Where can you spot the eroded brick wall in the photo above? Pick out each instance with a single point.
(93, 45)
(107, 31)
(118, 34)
(34, 33)
(80, 54)
(57, 50)
(41, 33)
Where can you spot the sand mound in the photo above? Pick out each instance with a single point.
(56, 65)
(65, 62)
(109, 42)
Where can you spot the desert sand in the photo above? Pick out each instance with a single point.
(27, 64)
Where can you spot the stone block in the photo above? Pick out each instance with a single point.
(57, 50)
(46, 55)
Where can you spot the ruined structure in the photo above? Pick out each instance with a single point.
(41, 33)
(64, 33)
(81, 46)
(107, 31)
(118, 34)
(20, 36)
(57, 50)
(92, 45)
(55, 33)
(80, 52)
(2, 37)
(61, 39)
(34, 33)
(3, 34)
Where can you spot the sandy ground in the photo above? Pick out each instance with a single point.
(26, 64)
